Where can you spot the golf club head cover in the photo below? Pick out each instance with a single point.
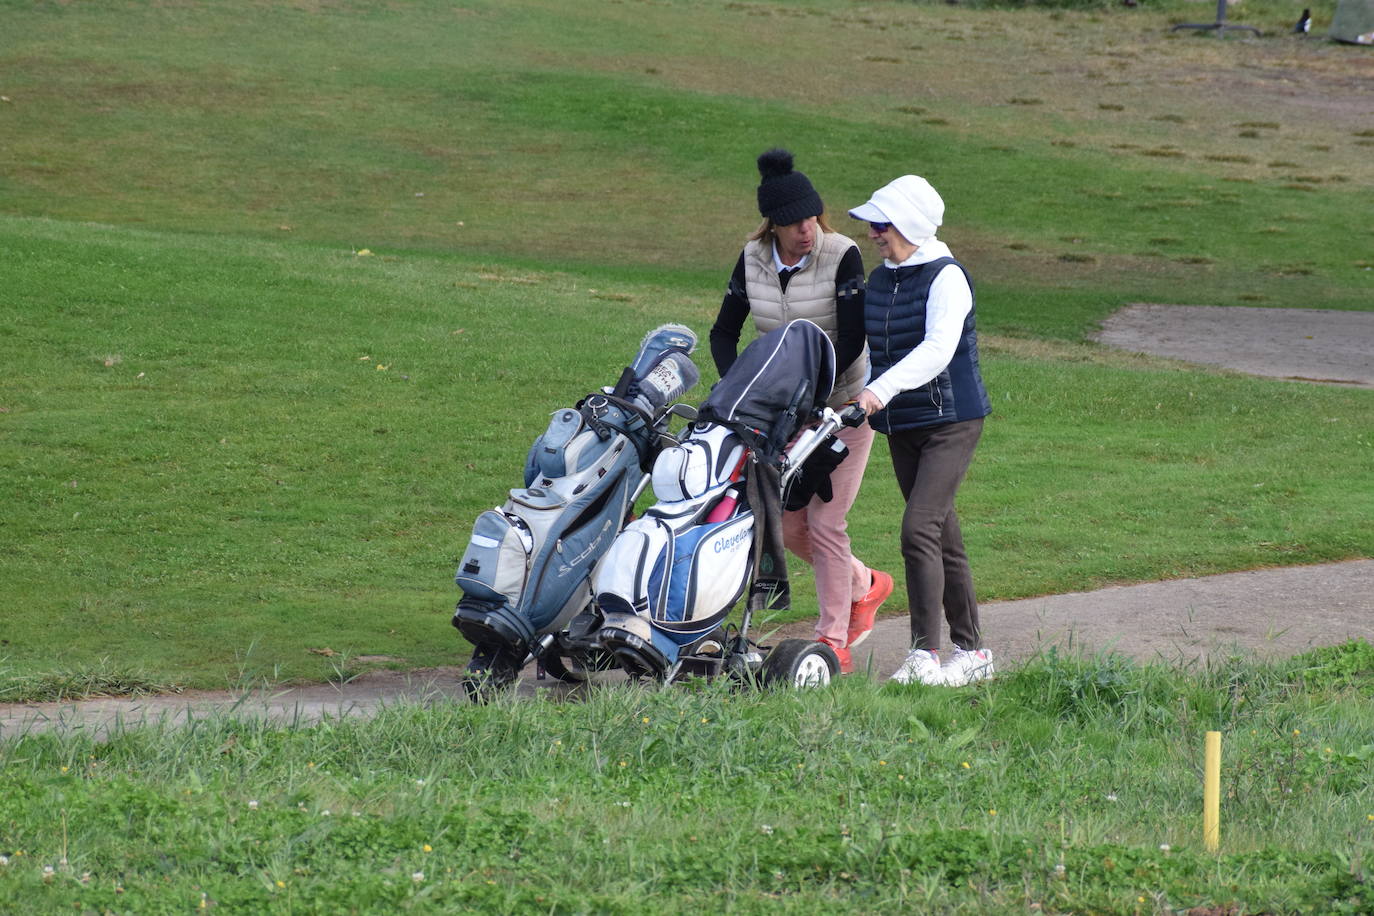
(664, 370)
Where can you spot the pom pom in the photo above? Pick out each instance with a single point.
(775, 163)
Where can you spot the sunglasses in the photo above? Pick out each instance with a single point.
(879, 228)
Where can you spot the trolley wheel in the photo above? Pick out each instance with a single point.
(736, 667)
(490, 671)
(800, 663)
(572, 669)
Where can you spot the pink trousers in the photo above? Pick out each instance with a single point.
(818, 533)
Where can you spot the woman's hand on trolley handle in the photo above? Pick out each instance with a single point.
(869, 402)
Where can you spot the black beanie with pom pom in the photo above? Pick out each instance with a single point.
(785, 195)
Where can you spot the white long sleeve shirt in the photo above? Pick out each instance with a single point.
(947, 306)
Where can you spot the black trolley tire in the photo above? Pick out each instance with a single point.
(484, 683)
(800, 663)
(571, 670)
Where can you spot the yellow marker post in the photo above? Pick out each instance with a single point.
(1211, 792)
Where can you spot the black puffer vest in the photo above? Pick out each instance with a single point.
(895, 321)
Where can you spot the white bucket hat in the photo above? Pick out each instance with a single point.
(910, 204)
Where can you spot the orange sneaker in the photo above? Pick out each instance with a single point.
(846, 662)
(863, 612)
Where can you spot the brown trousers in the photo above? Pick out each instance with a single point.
(930, 463)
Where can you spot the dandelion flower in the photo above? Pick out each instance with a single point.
(1296, 733)
(281, 883)
(965, 765)
(64, 768)
(428, 848)
(645, 720)
(992, 812)
(882, 763)
(623, 763)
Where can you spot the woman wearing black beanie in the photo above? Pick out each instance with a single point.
(795, 266)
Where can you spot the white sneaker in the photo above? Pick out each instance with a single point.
(965, 667)
(921, 667)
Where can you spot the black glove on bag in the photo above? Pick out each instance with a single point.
(814, 478)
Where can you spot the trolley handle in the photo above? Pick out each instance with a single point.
(811, 440)
(853, 415)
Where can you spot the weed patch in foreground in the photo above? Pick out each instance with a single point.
(1070, 784)
(101, 679)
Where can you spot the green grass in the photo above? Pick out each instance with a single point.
(547, 130)
(1069, 785)
(236, 450)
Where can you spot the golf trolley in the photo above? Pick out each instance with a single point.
(667, 585)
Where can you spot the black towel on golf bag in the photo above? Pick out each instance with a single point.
(770, 588)
(774, 385)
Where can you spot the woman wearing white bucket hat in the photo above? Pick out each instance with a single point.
(927, 396)
(795, 266)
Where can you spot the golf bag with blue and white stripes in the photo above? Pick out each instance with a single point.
(673, 575)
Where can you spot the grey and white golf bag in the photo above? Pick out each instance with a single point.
(527, 567)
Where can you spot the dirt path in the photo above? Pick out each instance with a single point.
(1271, 612)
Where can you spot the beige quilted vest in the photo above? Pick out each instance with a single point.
(810, 294)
